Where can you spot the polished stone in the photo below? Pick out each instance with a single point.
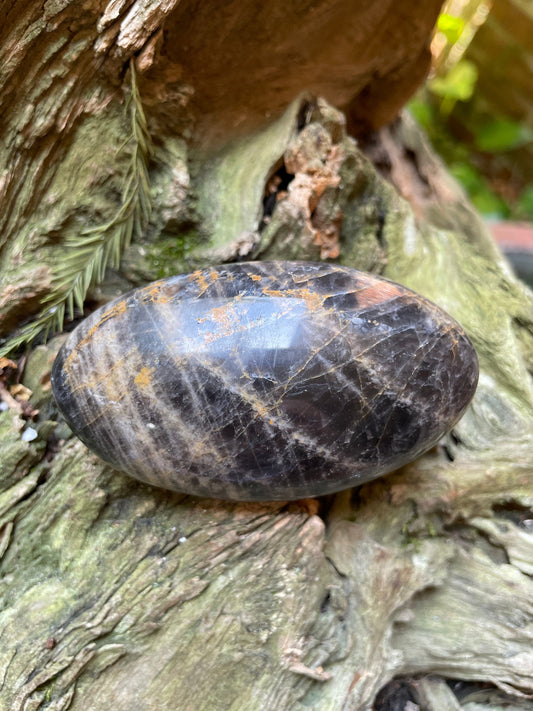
(265, 380)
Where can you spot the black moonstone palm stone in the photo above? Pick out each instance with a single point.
(264, 380)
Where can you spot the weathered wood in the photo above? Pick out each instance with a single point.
(115, 594)
(207, 74)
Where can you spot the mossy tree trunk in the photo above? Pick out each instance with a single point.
(118, 595)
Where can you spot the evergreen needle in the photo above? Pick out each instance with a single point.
(90, 253)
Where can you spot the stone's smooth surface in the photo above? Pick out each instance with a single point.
(264, 380)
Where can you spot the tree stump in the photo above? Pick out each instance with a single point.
(115, 594)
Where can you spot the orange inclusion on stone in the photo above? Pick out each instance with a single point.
(377, 293)
(312, 300)
(144, 377)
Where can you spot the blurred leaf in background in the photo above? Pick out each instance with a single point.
(502, 134)
(525, 204)
(484, 199)
(452, 27)
(457, 85)
(477, 105)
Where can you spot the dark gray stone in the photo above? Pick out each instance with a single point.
(265, 380)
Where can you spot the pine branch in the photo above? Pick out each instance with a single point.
(91, 252)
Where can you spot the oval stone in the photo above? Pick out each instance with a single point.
(264, 380)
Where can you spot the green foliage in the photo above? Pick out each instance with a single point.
(451, 27)
(90, 253)
(422, 110)
(524, 207)
(429, 117)
(472, 139)
(457, 85)
(483, 198)
(501, 134)
(458, 156)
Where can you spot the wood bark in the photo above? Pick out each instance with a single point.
(114, 594)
